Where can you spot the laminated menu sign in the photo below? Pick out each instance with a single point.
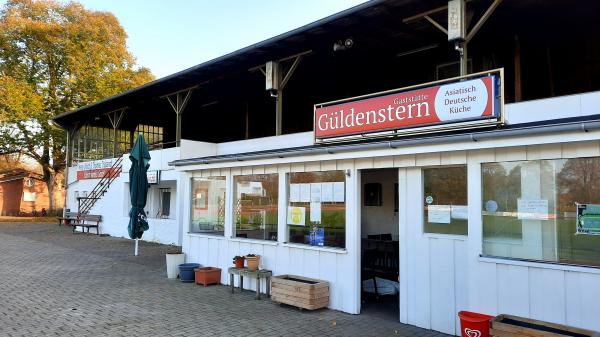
(588, 219)
(296, 216)
(294, 193)
(438, 214)
(327, 192)
(460, 212)
(304, 192)
(532, 209)
(315, 212)
(338, 192)
(315, 192)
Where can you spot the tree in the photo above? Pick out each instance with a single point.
(54, 58)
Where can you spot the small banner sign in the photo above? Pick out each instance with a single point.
(442, 106)
(96, 173)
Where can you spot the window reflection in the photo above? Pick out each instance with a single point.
(255, 203)
(529, 209)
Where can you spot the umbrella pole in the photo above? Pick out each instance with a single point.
(136, 248)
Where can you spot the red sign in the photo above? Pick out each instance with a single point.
(96, 173)
(448, 103)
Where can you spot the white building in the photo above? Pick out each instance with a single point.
(478, 212)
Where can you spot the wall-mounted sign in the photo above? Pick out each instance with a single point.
(95, 173)
(96, 169)
(153, 177)
(588, 219)
(467, 103)
(532, 209)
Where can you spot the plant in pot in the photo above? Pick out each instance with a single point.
(252, 261)
(238, 261)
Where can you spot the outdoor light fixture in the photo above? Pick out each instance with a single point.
(343, 44)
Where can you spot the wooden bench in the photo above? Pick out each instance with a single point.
(257, 274)
(68, 219)
(87, 221)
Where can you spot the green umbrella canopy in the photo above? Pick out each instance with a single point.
(138, 188)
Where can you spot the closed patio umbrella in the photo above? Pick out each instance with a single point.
(138, 189)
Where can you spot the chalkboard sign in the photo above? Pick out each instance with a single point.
(588, 219)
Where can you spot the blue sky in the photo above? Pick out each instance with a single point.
(170, 35)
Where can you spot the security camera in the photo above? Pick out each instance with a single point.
(343, 44)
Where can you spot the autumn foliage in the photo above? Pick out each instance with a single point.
(54, 58)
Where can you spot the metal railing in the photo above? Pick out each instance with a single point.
(85, 204)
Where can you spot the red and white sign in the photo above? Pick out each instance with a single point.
(96, 173)
(448, 103)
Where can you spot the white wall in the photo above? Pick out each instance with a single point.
(380, 219)
(337, 266)
(114, 205)
(440, 274)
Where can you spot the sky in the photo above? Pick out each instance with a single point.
(171, 35)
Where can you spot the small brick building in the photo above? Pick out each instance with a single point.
(23, 192)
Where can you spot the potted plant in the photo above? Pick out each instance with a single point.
(253, 261)
(174, 259)
(238, 261)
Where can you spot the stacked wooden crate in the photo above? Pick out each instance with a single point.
(514, 326)
(301, 292)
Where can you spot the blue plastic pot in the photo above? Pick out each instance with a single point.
(186, 271)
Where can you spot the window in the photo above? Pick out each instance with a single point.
(208, 205)
(530, 210)
(445, 204)
(316, 213)
(255, 203)
(164, 202)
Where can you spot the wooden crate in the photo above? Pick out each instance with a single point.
(514, 326)
(301, 292)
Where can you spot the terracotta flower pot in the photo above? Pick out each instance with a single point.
(239, 263)
(208, 275)
(252, 262)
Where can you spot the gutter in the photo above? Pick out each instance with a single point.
(537, 129)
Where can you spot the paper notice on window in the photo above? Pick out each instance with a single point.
(339, 192)
(296, 216)
(304, 192)
(315, 212)
(327, 192)
(438, 213)
(460, 212)
(294, 193)
(532, 209)
(315, 192)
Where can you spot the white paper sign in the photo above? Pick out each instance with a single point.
(327, 192)
(339, 192)
(296, 216)
(304, 192)
(315, 192)
(438, 213)
(532, 209)
(460, 212)
(294, 193)
(315, 212)
(28, 196)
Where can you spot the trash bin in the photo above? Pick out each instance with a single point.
(473, 324)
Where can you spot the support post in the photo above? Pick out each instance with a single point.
(69, 161)
(178, 101)
(116, 117)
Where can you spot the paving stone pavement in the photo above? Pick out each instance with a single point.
(55, 283)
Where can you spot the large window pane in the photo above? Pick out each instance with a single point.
(529, 209)
(256, 206)
(445, 203)
(317, 208)
(208, 205)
